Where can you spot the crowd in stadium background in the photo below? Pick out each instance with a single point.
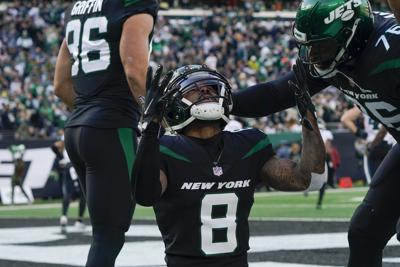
(247, 50)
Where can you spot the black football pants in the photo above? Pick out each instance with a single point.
(103, 160)
(374, 221)
(69, 191)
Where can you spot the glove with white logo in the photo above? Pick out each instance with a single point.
(301, 93)
(154, 104)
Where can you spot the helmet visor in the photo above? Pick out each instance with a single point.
(206, 90)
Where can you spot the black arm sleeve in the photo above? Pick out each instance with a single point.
(147, 168)
(267, 98)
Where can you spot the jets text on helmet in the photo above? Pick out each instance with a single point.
(345, 11)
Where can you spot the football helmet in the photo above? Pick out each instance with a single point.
(331, 32)
(180, 111)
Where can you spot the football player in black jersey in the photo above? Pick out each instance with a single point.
(202, 180)
(344, 44)
(101, 74)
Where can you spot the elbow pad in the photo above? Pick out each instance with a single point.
(318, 180)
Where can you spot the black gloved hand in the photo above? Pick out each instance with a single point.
(361, 133)
(301, 93)
(154, 105)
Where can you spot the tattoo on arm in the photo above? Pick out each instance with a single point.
(313, 153)
(284, 175)
(287, 175)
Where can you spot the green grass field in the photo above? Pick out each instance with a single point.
(338, 204)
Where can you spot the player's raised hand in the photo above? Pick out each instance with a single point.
(154, 104)
(302, 95)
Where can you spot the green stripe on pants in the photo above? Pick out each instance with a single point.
(126, 139)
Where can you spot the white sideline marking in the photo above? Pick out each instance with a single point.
(331, 191)
(36, 207)
(392, 260)
(276, 264)
(288, 219)
(311, 206)
(148, 253)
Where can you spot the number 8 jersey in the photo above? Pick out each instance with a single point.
(93, 32)
(203, 214)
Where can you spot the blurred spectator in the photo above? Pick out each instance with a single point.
(243, 48)
(17, 153)
(332, 162)
(30, 33)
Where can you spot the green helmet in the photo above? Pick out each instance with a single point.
(331, 32)
(180, 111)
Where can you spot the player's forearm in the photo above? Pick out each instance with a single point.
(66, 93)
(288, 175)
(285, 175)
(134, 51)
(313, 153)
(137, 83)
(310, 171)
(349, 125)
(147, 168)
(395, 6)
(63, 85)
(349, 117)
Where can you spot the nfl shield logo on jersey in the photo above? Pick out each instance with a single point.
(217, 171)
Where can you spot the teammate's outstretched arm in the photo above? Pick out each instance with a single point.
(267, 98)
(395, 6)
(135, 52)
(264, 99)
(63, 86)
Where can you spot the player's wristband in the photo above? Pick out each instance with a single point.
(318, 180)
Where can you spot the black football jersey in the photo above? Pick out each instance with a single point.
(203, 214)
(93, 30)
(373, 84)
